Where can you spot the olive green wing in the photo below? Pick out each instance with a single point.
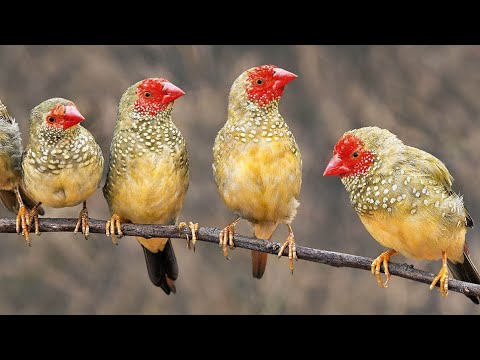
(431, 168)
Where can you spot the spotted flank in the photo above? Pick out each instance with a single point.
(59, 151)
(398, 178)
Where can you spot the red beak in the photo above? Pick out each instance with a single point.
(335, 167)
(172, 92)
(282, 78)
(71, 117)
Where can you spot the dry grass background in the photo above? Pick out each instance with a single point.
(427, 95)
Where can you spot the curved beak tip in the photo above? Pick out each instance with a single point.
(334, 167)
(173, 91)
(284, 74)
(282, 77)
(327, 171)
(72, 116)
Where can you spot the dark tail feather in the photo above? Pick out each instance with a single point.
(259, 263)
(162, 268)
(466, 272)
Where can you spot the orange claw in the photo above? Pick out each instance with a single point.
(23, 218)
(384, 258)
(34, 216)
(83, 221)
(442, 276)
(23, 222)
(193, 228)
(226, 237)
(292, 250)
(113, 223)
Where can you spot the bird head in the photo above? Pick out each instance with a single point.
(151, 96)
(358, 150)
(350, 157)
(55, 116)
(260, 85)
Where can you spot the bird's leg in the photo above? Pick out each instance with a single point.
(34, 216)
(226, 237)
(442, 276)
(384, 258)
(23, 218)
(193, 228)
(113, 223)
(83, 220)
(292, 249)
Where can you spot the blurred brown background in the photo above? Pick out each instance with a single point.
(427, 95)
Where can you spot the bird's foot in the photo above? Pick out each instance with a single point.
(34, 216)
(23, 222)
(23, 218)
(442, 276)
(193, 228)
(292, 249)
(226, 237)
(112, 224)
(384, 258)
(83, 221)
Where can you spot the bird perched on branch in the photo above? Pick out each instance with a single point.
(256, 162)
(62, 163)
(404, 198)
(12, 194)
(148, 173)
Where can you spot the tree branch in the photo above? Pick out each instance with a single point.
(211, 235)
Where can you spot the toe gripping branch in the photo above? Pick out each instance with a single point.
(194, 229)
(292, 248)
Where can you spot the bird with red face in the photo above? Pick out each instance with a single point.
(147, 177)
(62, 164)
(256, 162)
(405, 200)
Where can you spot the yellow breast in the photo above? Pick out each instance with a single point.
(151, 190)
(418, 236)
(68, 187)
(260, 181)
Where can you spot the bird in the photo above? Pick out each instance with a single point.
(62, 163)
(257, 164)
(148, 173)
(12, 193)
(404, 198)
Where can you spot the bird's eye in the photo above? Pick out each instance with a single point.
(147, 94)
(259, 82)
(51, 119)
(355, 154)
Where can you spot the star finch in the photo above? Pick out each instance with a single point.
(256, 162)
(404, 198)
(148, 172)
(62, 163)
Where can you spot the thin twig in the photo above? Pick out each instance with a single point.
(210, 235)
